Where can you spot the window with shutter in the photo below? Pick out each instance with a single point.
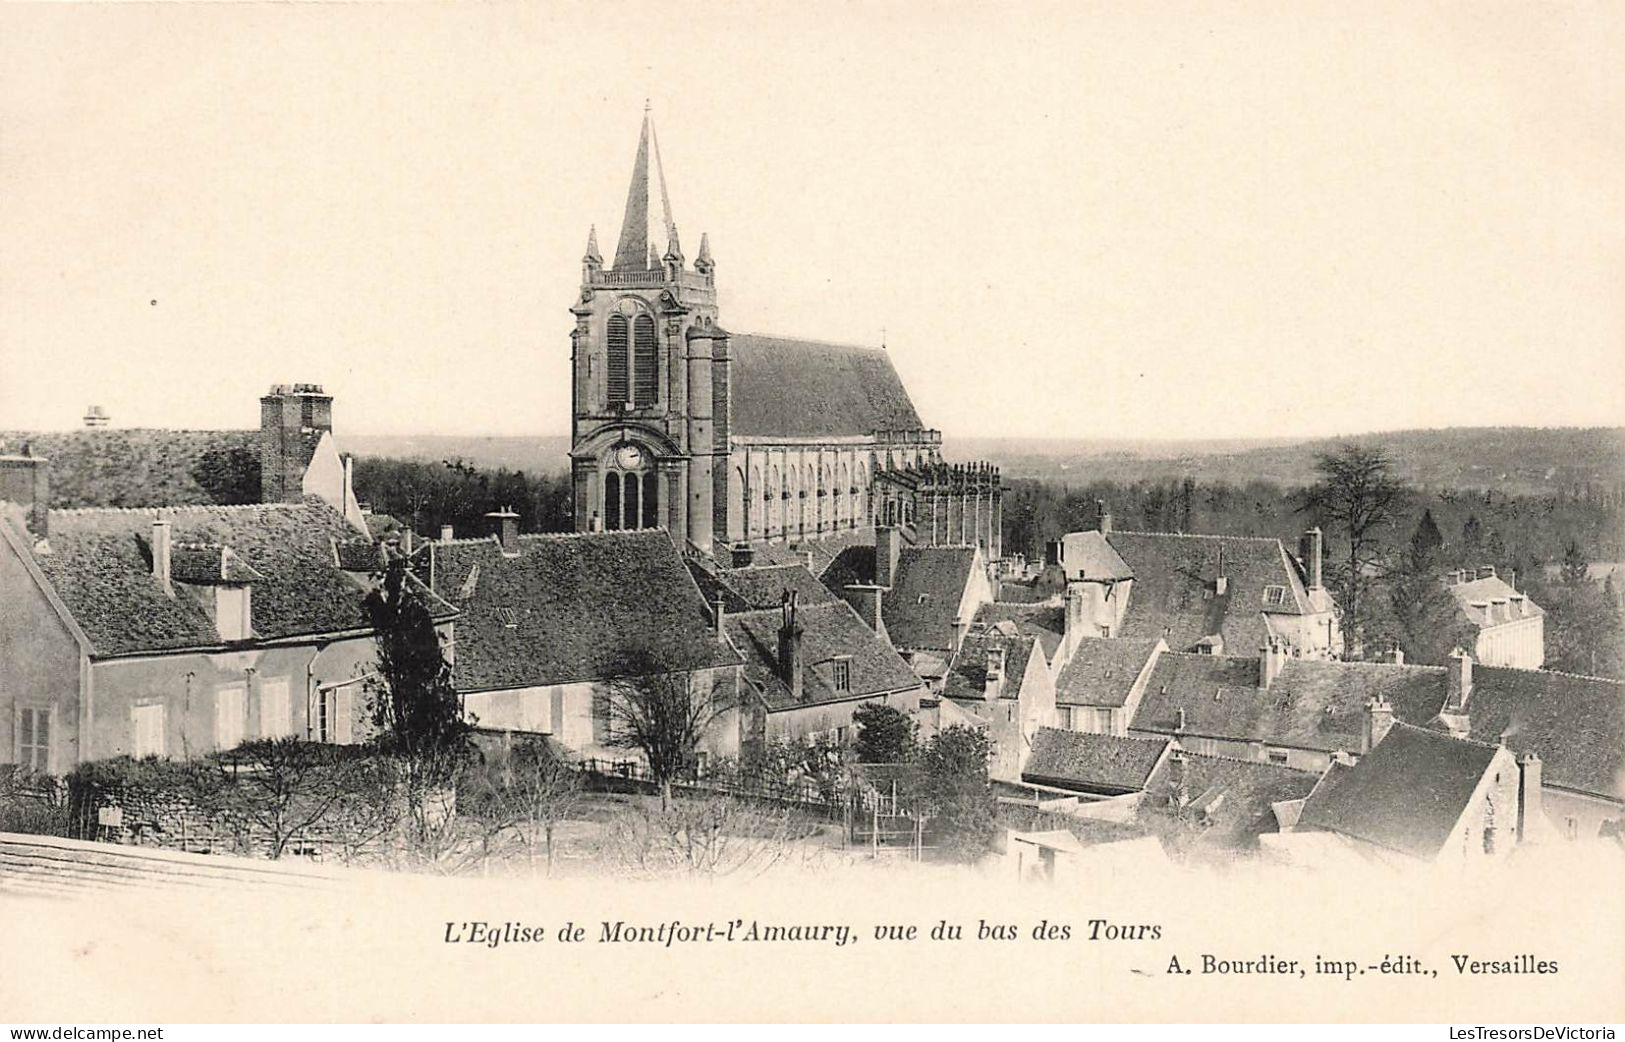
(644, 361)
(617, 370)
(34, 737)
(230, 710)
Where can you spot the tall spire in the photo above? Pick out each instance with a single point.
(592, 256)
(633, 250)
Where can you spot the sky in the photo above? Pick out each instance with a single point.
(1179, 220)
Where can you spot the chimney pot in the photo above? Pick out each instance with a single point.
(509, 532)
(446, 533)
(1379, 720)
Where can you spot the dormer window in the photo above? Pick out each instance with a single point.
(841, 673)
(1274, 596)
(233, 615)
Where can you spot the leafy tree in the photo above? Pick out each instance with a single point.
(1357, 497)
(885, 734)
(1426, 541)
(1472, 532)
(662, 713)
(229, 476)
(954, 791)
(413, 704)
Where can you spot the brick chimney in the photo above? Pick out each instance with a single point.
(1271, 659)
(1103, 517)
(509, 531)
(1311, 551)
(790, 647)
(1396, 655)
(161, 555)
(1221, 580)
(288, 414)
(888, 548)
(1531, 797)
(1379, 719)
(447, 533)
(993, 685)
(25, 479)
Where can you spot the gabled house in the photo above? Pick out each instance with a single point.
(809, 667)
(926, 596)
(1277, 709)
(1045, 623)
(1575, 724)
(1511, 627)
(179, 631)
(548, 621)
(1429, 796)
(1000, 678)
(1100, 687)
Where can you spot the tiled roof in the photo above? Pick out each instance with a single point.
(921, 607)
(1233, 798)
(140, 468)
(572, 608)
(1311, 704)
(1492, 601)
(1575, 724)
(1174, 594)
(209, 564)
(763, 587)
(1218, 693)
(1088, 556)
(100, 563)
(1406, 794)
(828, 631)
(824, 550)
(799, 388)
(1102, 670)
(967, 673)
(1097, 763)
(1045, 622)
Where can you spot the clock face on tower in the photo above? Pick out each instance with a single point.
(630, 457)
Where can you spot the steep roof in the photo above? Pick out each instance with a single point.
(100, 564)
(922, 605)
(1175, 595)
(825, 551)
(764, 586)
(1044, 622)
(1218, 693)
(1311, 704)
(1406, 794)
(1089, 556)
(1097, 763)
(570, 608)
(1102, 670)
(803, 388)
(967, 672)
(1492, 601)
(828, 631)
(105, 467)
(1575, 724)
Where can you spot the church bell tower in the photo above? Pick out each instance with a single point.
(649, 376)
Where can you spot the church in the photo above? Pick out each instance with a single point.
(732, 441)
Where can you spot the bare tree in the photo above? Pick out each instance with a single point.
(664, 714)
(279, 789)
(706, 837)
(1356, 496)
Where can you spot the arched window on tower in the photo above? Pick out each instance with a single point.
(630, 493)
(651, 500)
(612, 501)
(618, 342)
(645, 371)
